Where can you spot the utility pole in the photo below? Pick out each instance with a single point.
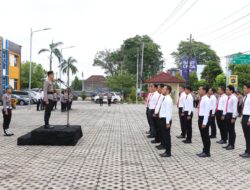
(189, 57)
(142, 59)
(137, 75)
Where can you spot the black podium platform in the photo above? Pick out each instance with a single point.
(60, 135)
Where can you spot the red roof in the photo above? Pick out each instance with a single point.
(164, 78)
(96, 78)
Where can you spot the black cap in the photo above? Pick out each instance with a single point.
(50, 72)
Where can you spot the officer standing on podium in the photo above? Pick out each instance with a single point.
(49, 91)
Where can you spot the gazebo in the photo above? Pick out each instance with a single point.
(167, 78)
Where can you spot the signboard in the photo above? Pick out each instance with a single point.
(241, 59)
(192, 67)
(233, 80)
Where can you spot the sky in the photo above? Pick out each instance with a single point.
(95, 25)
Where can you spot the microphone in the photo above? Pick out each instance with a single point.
(61, 81)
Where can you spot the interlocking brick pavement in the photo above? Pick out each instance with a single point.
(114, 153)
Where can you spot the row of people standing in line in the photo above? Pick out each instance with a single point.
(63, 98)
(224, 110)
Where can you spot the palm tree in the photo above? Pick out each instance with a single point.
(53, 50)
(68, 65)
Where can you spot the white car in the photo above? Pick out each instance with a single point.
(115, 98)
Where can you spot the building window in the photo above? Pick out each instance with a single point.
(16, 61)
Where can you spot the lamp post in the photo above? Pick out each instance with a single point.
(82, 82)
(60, 67)
(30, 72)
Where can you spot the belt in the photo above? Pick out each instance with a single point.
(50, 92)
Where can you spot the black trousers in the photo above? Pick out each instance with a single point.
(55, 104)
(38, 105)
(101, 102)
(6, 119)
(157, 129)
(182, 118)
(246, 131)
(42, 105)
(63, 106)
(165, 135)
(221, 125)
(212, 124)
(188, 125)
(147, 115)
(204, 135)
(47, 113)
(109, 102)
(230, 128)
(152, 123)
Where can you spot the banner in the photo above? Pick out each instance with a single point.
(192, 67)
(233, 80)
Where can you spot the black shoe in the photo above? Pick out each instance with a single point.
(150, 136)
(160, 147)
(154, 141)
(212, 137)
(203, 155)
(245, 155)
(226, 146)
(221, 142)
(164, 155)
(148, 132)
(180, 137)
(187, 141)
(48, 127)
(230, 147)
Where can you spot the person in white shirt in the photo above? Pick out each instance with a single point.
(38, 101)
(42, 102)
(150, 92)
(203, 121)
(152, 105)
(188, 114)
(221, 104)
(213, 104)
(180, 105)
(230, 114)
(156, 118)
(165, 118)
(246, 120)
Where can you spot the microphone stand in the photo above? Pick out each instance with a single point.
(67, 86)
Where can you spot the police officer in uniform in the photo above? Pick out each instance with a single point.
(7, 112)
(49, 91)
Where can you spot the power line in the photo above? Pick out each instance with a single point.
(190, 7)
(225, 18)
(170, 16)
(239, 36)
(225, 26)
(232, 32)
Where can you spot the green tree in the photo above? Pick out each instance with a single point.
(201, 51)
(109, 60)
(193, 81)
(153, 61)
(220, 80)
(68, 66)
(243, 74)
(76, 84)
(53, 50)
(121, 82)
(211, 71)
(38, 75)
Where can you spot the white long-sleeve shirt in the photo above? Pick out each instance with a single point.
(181, 101)
(153, 100)
(231, 106)
(166, 109)
(204, 108)
(148, 99)
(189, 104)
(246, 108)
(213, 104)
(158, 105)
(222, 100)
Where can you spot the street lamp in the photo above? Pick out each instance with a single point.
(82, 82)
(30, 74)
(60, 64)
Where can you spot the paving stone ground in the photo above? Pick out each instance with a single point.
(114, 153)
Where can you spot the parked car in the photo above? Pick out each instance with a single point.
(115, 98)
(25, 94)
(20, 101)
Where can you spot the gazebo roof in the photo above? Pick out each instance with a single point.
(164, 78)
